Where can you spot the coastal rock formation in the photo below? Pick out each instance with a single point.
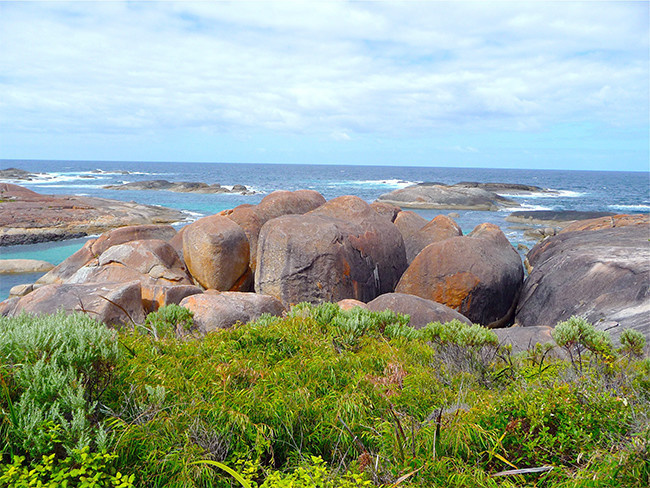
(608, 222)
(221, 310)
(509, 188)
(21, 266)
(251, 218)
(93, 248)
(27, 217)
(17, 174)
(420, 310)
(436, 196)
(439, 229)
(479, 275)
(408, 223)
(525, 338)
(600, 274)
(216, 252)
(553, 217)
(153, 263)
(343, 249)
(111, 303)
(180, 186)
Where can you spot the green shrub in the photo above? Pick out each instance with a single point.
(54, 371)
(169, 320)
(632, 343)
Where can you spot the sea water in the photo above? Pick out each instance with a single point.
(612, 191)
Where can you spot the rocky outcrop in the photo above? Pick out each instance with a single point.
(599, 274)
(21, 266)
(509, 188)
(180, 186)
(216, 253)
(408, 223)
(27, 217)
(553, 217)
(420, 310)
(435, 196)
(111, 303)
(622, 220)
(478, 275)
(343, 249)
(17, 174)
(439, 229)
(93, 248)
(524, 339)
(221, 310)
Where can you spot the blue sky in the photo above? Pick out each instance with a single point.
(557, 85)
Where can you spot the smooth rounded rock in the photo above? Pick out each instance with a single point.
(22, 266)
(420, 310)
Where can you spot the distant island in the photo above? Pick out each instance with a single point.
(181, 187)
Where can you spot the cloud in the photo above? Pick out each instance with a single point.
(337, 68)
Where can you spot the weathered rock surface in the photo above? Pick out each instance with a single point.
(439, 229)
(446, 197)
(216, 253)
(152, 262)
(251, 218)
(621, 220)
(27, 217)
(343, 249)
(525, 338)
(408, 223)
(386, 210)
(111, 303)
(95, 247)
(21, 266)
(510, 188)
(180, 186)
(16, 174)
(478, 275)
(600, 274)
(221, 310)
(553, 217)
(421, 310)
(350, 303)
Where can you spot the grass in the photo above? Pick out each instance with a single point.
(324, 397)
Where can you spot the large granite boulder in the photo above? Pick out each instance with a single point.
(152, 262)
(608, 222)
(216, 253)
(221, 310)
(437, 196)
(93, 248)
(524, 339)
(343, 249)
(420, 310)
(600, 274)
(439, 229)
(479, 275)
(408, 223)
(251, 218)
(111, 303)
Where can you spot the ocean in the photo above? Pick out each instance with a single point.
(612, 191)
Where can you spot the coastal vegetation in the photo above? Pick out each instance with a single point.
(318, 398)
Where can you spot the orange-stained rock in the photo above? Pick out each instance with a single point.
(408, 222)
(162, 295)
(350, 303)
(479, 275)
(221, 310)
(216, 252)
(70, 266)
(420, 310)
(343, 249)
(152, 262)
(111, 303)
(439, 229)
(607, 222)
(386, 210)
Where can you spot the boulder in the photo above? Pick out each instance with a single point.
(420, 310)
(525, 338)
(439, 229)
(479, 275)
(152, 262)
(608, 222)
(221, 310)
(21, 266)
(171, 294)
(343, 249)
(408, 223)
(93, 248)
(350, 303)
(436, 196)
(216, 252)
(111, 303)
(599, 274)
(386, 210)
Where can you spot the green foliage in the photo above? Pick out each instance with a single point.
(169, 320)
(81, 469)
(331, 398)
(632, 343)
(54, 371)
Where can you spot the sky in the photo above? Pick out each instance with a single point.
(545, 85)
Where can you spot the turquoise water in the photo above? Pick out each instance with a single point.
(621, 191)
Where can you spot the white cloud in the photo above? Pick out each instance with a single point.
(321, 67)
